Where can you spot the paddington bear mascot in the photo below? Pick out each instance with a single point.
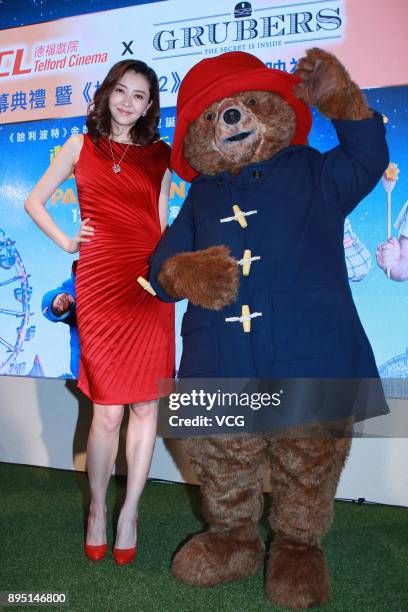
(257, 250)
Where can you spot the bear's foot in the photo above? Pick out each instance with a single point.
(212, 558)
(297, 574)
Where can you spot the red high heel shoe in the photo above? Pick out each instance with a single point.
(95, 553)
(123, 556)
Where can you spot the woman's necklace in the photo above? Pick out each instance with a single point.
(116, 165)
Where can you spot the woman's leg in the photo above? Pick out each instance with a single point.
(140, 439)
(101, 452)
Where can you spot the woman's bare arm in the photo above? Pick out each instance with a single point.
(60, 169)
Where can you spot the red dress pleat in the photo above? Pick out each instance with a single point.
(126, 335)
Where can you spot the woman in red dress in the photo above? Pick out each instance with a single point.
(126, 335)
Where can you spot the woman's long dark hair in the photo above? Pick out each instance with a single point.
(99, 118)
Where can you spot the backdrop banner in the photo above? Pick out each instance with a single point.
(48, 75)
(53, 69)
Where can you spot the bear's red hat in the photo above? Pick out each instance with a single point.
(217, 77)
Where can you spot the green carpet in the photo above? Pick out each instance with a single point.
(41, 535)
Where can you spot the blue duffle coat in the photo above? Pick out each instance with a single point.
(305, 324)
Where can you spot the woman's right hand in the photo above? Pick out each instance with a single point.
(86, 232)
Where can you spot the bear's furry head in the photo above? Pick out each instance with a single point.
(238, 130)
(232, 111)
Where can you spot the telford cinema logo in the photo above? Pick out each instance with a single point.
(250, 27)
(46, 57)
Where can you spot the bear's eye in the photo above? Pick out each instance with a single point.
(209, 116)
(251, 102)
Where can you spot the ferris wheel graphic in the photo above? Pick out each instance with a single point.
(15, 296)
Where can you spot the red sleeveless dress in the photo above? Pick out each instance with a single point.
(126, 335)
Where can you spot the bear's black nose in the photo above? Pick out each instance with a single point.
(231, 116)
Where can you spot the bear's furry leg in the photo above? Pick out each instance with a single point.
(305, 473)
(230, 470)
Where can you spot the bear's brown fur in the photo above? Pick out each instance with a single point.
(306, 463)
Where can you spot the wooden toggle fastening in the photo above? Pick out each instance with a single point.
(239, 216)
(246, 323)
(246, 262)
(245, 318)
(146, 285)
(246, 266)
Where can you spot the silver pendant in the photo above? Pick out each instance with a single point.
(116, 168)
